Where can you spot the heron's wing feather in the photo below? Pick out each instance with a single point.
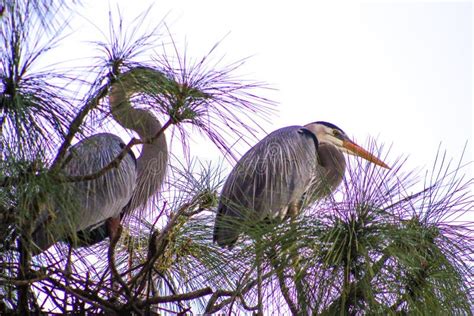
(105, 196)
(270, 177)
(100, 198)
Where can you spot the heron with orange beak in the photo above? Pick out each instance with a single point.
(286, 171)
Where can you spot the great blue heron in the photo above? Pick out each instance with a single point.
(102, 201)
(288, 169)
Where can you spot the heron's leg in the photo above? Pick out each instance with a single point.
(258, 259)
(293, 209)
(298, 279)
(113, 228)
(68, 270)
(279, 271)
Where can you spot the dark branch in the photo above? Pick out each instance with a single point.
(116, 161)
(212, 307)
(176, 297)
(76, 124)
(86, 296)
(281, 281)
(355, 287)
(157, 243)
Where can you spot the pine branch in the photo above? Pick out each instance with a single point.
(282, 283)
(116, 161)
(77, 123)
(115, 275)
(158, 243)
(354, 288)
(86, 296)
(212, 307)
(176, 298)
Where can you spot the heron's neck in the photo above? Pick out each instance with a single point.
(333, 163)
(141, 121)
(152, 162)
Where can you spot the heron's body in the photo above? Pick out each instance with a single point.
(106, 196)
(93, 201)
(287, 170)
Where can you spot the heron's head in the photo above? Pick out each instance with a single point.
(328, 133)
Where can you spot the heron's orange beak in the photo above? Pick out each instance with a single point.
(356, 150)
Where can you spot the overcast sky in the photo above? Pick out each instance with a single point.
(400, 72)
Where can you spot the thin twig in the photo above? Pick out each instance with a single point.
(86, 296)
(212, 308)
(176, 297)
(354, 287)
(16, 282)
(112, 164)
(258, 259)
(158, 241)
(113, 268)
(76, 123)
(117, 160)
(281, 281)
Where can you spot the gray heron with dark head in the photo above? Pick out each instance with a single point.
(103, 201)
(289, 169)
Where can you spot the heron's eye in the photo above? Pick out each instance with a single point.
(337, 133)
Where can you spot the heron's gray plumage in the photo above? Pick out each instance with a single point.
(102, 197)
(121, 189)
(262, 184)
(94, 201)
(284, 172)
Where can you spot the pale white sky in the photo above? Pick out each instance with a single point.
(397, 71)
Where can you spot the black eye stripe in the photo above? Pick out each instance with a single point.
(330, 125)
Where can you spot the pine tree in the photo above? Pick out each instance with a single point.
(387, 242)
